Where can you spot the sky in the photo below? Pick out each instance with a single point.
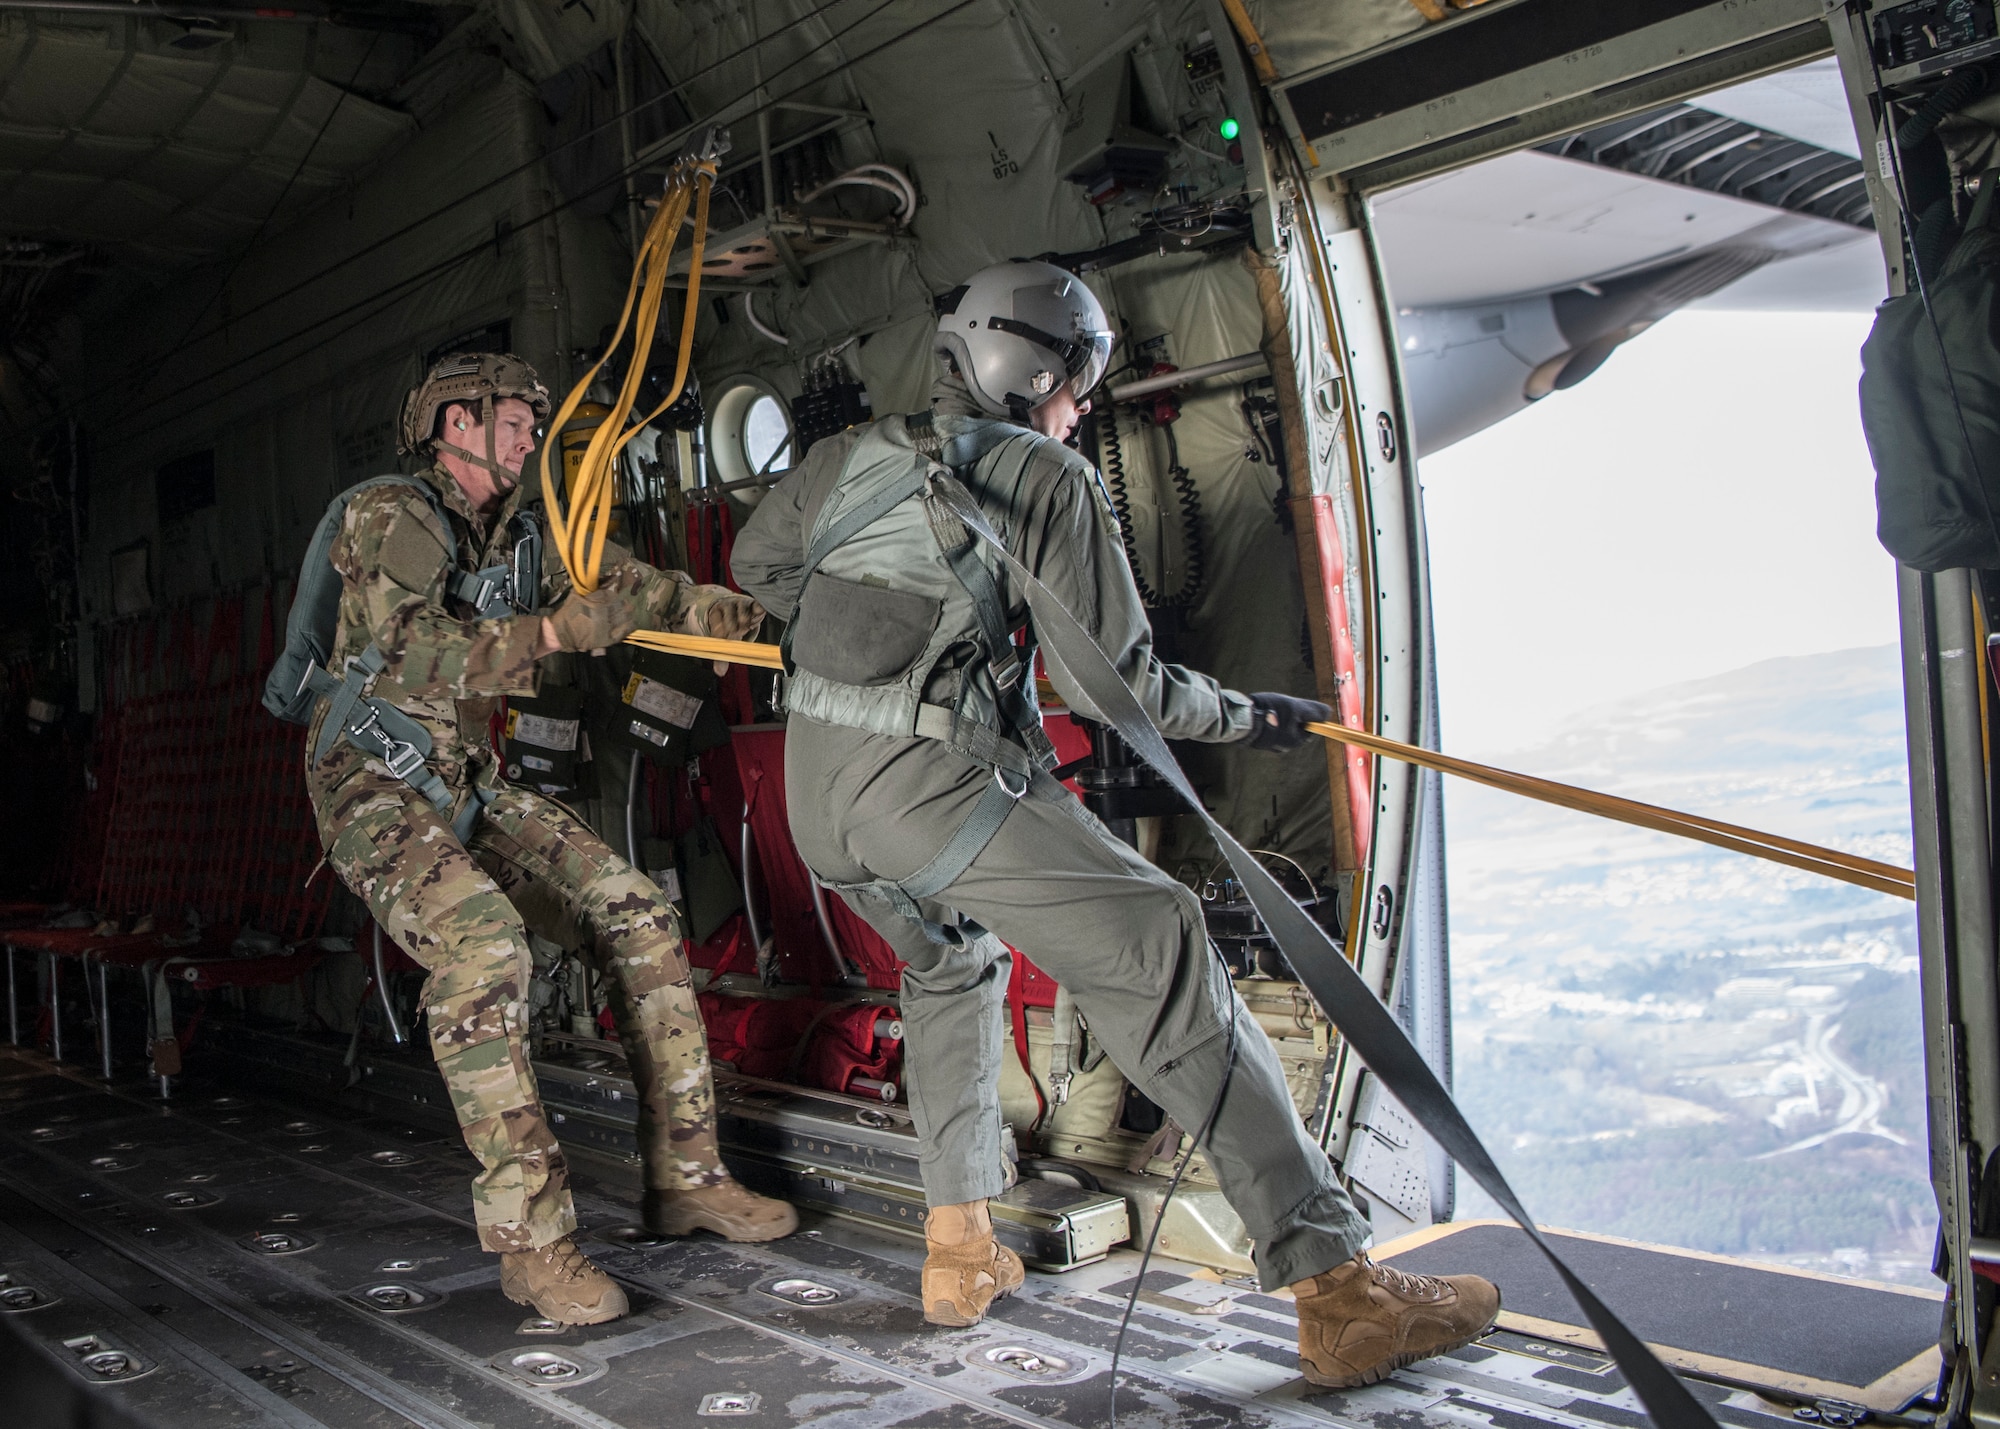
(1703, 501)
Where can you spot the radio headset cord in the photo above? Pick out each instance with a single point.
(1187, 495)
(1160, 1216)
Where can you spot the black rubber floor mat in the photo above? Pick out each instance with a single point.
(1756, 1324)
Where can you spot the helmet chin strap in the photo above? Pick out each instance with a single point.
(512, 478)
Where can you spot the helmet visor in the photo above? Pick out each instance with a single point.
(1089, 355)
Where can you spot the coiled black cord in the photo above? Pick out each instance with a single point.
(1947, 99)
(1111, 461)
(1187, 495)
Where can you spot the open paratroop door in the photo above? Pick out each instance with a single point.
(1354, 99)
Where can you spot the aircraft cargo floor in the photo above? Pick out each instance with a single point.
(233, 1259)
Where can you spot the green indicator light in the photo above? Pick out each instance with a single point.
(1230, 129)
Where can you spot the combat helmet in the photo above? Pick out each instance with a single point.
(1016, 330)
(468, 377)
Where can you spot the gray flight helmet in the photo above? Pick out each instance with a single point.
(1017, 330)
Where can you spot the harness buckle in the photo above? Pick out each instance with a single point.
(1000, 778)
(403, 758)
(1059, 1087)
(523, 575)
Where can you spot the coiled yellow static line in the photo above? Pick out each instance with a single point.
(1830, 863)
(579, 528)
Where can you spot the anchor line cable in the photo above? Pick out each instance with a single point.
(1813, 858)
(610, 179)
(672, 91)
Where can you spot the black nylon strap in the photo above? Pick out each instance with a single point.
(1361, 1017)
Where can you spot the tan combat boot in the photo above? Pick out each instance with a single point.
(730, 1209)
(562, 1284)
(1359, 1321)
(966, 1269)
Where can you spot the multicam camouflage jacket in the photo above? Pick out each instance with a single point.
(445, 668)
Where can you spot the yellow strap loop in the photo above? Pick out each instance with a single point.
(704, 647)
(580, 524)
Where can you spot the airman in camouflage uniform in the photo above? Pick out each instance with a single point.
(450, 903)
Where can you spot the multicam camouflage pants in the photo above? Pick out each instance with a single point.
(448, 905)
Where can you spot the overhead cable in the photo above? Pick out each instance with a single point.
(610, 179)
(590, 133)
(286, 192)
(750, 312)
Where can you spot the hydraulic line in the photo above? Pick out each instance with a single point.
(1813, 858)
(750, 312)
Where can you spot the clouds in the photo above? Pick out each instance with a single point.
(1703, 502)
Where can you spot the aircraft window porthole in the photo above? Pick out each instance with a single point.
(749, 434)
(764, 431)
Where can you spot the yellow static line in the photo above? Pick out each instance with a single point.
(580, 516)
(1847, 867)
(1831, 863)
(703, 647)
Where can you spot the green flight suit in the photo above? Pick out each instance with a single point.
(1126, 940)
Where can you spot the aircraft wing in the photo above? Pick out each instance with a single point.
(1518, 276)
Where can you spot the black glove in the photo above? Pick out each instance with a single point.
(1278, 722)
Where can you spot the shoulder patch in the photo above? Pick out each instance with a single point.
(411, 554)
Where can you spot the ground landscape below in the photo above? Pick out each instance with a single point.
(1678, 1044)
